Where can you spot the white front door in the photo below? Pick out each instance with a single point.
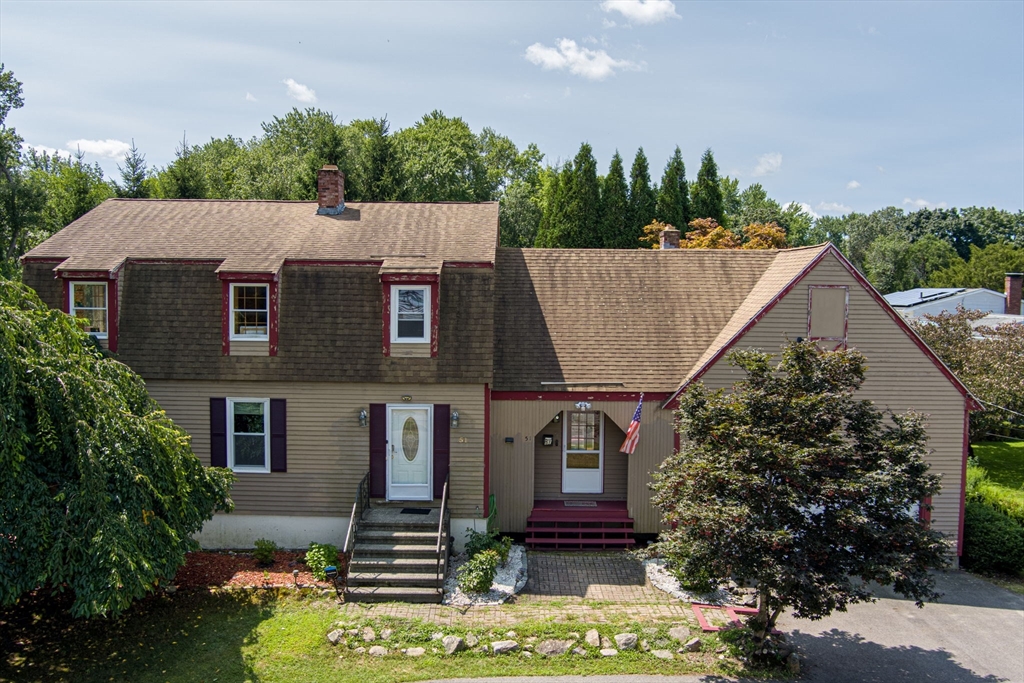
(583, 453)
(410, 453)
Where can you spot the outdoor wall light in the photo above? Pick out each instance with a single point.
(455, 419)
(364, 418)
(406, 399)
(583, 405)
(557, 418)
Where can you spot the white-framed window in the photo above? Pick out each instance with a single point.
(89, 305)
(583, 440)
(250, 312)
(249, 434)
(410, 313)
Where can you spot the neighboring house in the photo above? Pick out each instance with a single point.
(307, 344)
(922, 301)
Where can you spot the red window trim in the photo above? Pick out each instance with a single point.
(487, 450)
(434, 281)
(273, 315)
(112, 308)
(846, 315)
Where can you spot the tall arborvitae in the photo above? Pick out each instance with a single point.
(614, 203)
(382, 168)
(133, 175)
(674, 195)
(642, 203)
(550, 181)
(582, 229)
(555, 223)
(706, 200)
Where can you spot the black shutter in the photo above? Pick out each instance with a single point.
(442, 446)
(378, 449)
(218, 432)
(278, 436)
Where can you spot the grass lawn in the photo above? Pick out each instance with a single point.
(1004, 461)
(267, 636)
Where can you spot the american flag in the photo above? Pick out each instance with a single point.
(633, 433)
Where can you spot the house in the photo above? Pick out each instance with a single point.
(923, 301)
(339, 354)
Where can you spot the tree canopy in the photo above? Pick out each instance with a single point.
(100, 492)
(791, 482)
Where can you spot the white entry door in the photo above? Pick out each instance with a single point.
(583, 453)
(410, 453)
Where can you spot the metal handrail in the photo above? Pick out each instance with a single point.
(441, 526)
(359, 507)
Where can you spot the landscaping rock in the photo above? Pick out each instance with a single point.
(360, 650)
(369, 635)
(352, 632)
(453, 644)
(793, 663)
(482, 649)
(378, 651)
(663, 654)
(606, 642)
(721, 649)
(593, 638)
(415, 652)
(386, 634)
(645, 646)
(609, 652)
(512, 635)
(436, 636)
(471, 640)
(626, 641)
(501, 647)
(527, 654)
(693, 645)
(553, 648)
(336, 636)
(650, 630)
(579, 651)
(574, 636)
(680, 633)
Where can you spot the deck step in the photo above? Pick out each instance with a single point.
(393, 594)
(394, 579)
(364, 563)
(398, 549)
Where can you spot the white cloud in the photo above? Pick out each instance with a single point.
(297, 91)
(880, 169)
(43, 149)
(249, 97)
(834, 207)
(923, 204)
(642, 11)
(111, 149)
(806, 208)
(768, 164)
(595, 65)
(852, 185)
(608, 23)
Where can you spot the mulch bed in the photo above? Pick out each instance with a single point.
(221, 569)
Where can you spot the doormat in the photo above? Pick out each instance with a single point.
(415, 511)
(580, 503)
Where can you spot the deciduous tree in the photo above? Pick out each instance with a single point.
(986, 268)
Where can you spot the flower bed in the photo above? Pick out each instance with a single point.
(509, 580)
(203, 569)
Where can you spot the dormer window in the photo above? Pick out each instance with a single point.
(250, 312)
(410, 314)
(88, 305)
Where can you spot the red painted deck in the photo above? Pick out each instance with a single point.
(554, 526)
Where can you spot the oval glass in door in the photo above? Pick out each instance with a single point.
(410, 456)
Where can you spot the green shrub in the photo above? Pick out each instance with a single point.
(318, 557)
(477, 574)
(478, 542)
(264, 551)
(993, 542)
(982, 489)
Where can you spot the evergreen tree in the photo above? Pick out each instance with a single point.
(706, 201)
(133, 175)
(582, 229)
(673, 205)
(614, 203)
(184, 178)
(381, 166)
(642, 203)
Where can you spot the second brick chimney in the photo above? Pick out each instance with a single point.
(670, 238)
(1013, 283)
(330, 191)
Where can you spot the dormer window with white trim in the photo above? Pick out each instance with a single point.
(250, 312)
(88, 305)
(410, 314)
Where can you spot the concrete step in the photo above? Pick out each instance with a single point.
(393, 594)
(390, 525)
(391, 534)
(394, 579)
(411, 550)
(380, 563)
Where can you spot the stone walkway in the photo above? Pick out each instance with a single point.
(586, 587)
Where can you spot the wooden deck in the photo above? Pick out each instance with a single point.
(579, 525)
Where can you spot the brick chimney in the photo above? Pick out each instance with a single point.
(330, 191)
(1013, 282)
(669, 238)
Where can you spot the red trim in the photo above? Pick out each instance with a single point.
(66, 299)
(321, 262)
(432, 279)
(468, 264)
(90, 274)
(273, 314)
(175, 262)
(112, 308)
(925, 511)
(43, 259)
(846, 315)
(963, 480)
(247, 277)
(387, 319)
(112, 315)
(225, 323)
(395, 278)
(487, 450)
(673, 401)
(576, 395)
(435, 316)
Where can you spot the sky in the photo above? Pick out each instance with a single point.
(838, 106)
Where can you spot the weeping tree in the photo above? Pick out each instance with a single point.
(791, 483)
(99, 491)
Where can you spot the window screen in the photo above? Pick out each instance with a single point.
(89, 306)
(412, 313)
(828, 313)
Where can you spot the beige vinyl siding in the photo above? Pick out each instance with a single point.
(328, 452)
(547, 476)
(513, 471)
(900, 376)
(249, 348)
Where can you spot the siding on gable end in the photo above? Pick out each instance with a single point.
(328, 452)
(899, 377)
